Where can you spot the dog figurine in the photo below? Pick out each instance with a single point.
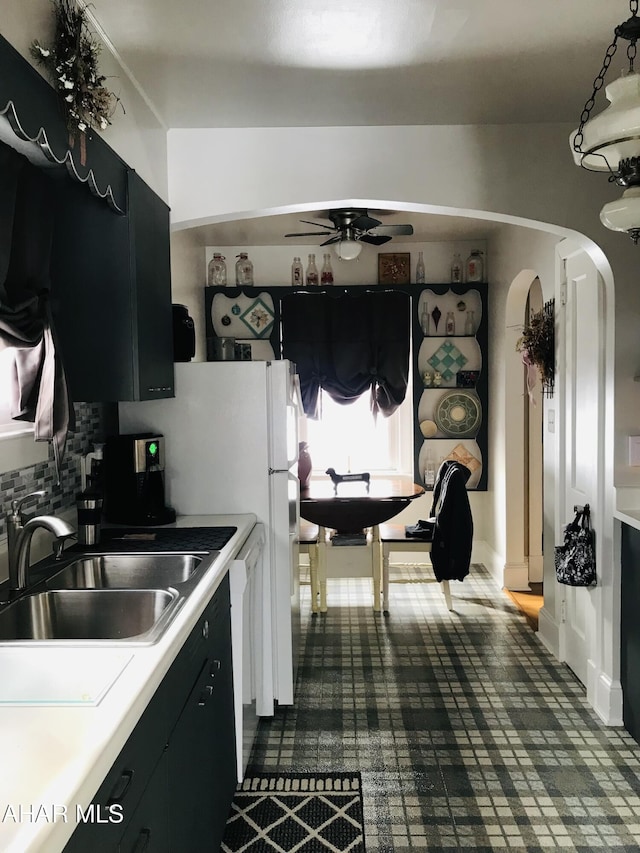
(336, 479)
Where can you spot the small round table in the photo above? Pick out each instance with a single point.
(354, 510)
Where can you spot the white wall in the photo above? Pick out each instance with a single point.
(523, 171)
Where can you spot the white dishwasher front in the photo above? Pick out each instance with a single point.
(250, 632)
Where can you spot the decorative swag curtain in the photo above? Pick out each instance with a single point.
(347, 344)
(39, 388)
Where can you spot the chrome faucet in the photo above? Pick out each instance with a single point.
(19, 534)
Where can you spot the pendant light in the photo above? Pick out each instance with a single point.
(610, 142)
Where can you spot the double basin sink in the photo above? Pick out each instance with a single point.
(106, 597)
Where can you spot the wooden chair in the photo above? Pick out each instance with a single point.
(394, 538)
(308, 544)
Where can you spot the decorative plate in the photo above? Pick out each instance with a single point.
(447, 360)
(258, 318)
(458, 413)
(462, 454)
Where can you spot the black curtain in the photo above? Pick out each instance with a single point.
(347, 344)
(39, 392)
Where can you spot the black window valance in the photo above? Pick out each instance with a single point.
(347, 344)
(39, 392)
(30, 112)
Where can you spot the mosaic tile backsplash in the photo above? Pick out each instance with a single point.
(91, 419)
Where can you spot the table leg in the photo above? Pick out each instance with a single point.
(313, 575)
(322, 568)
(447, 594)
(376, 566)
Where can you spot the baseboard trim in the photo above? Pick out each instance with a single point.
(549, 632)
(516, 576)
(483, 553)
(607, 700)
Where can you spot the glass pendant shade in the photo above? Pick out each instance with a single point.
(623, 214)
(614, 134)
(348, 250)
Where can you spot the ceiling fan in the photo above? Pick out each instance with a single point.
(352, 226)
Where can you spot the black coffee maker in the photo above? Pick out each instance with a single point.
(134, 480)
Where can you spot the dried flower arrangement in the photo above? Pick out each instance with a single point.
(537, 345)
(72, 63)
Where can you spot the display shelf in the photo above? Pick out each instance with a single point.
(450, 418)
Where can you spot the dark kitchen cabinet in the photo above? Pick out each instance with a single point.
(630, 631)
(148, 826)
(111, 294)
(201, 748)
(174, 780)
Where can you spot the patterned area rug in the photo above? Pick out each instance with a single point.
(296, 813)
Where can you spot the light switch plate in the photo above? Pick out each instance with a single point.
(634, 450)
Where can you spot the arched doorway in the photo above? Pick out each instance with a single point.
(523, 444)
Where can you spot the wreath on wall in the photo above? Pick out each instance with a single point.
(537, 346)
(72, 64)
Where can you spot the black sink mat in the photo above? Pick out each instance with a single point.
(160, 539)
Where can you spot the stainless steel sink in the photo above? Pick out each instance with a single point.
(135, 614)
(126, 571)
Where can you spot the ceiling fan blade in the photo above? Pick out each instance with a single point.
(394, 230)
(374, 239)
(364, 223)
(331, 240)
(307, 234)
(318, 224)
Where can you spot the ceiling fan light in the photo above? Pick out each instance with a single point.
(348, 250)
(623, 214)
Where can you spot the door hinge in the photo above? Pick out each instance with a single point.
(563, 611)
(563, 292)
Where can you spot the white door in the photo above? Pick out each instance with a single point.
(582, 439)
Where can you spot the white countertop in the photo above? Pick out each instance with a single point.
(54, 757)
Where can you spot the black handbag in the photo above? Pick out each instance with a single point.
(576, 559)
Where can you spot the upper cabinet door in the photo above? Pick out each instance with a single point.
(153, 330)
(111, 295)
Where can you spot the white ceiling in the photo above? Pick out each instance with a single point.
(270, 230)
(254, 63)
(281, 63)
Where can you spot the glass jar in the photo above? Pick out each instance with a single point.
(217, 271)
(424, 319)
(297, 273)
(312, 279)
(244, 270)
(470, 324)
(420, 271)
(450, 323)
(475, 266)
(429, 470)
(456, 269)
(326, 276)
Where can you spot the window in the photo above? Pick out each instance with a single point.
(17, 448)
(348, 439)
(8, 427)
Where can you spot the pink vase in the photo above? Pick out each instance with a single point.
(304, 465)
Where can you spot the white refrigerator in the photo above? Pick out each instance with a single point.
(231, 444)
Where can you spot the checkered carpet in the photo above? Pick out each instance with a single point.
(306, 813)
(467, 733)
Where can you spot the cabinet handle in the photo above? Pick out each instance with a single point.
(205, 629)
(143, 841)
(205, 694)
(121, 787)
(215, 667)
(153, 388)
